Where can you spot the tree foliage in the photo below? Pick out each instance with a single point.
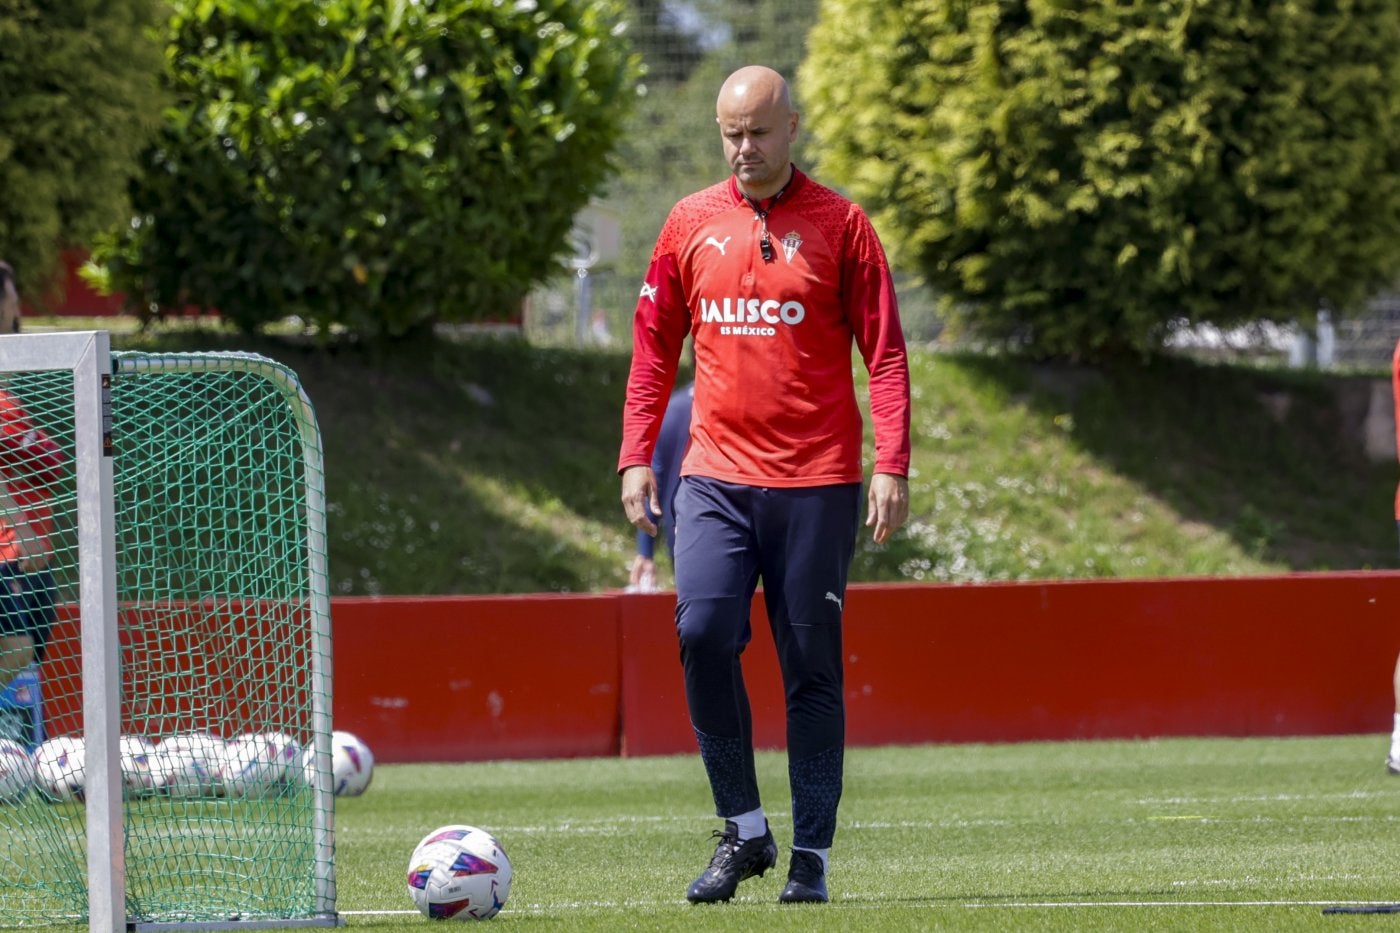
(78, 102)
(1081, 177)
(376, 165)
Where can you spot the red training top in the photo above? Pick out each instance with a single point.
(29, 463)
(775, 401)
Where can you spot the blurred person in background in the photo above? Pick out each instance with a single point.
(666, 464)
(30, 463)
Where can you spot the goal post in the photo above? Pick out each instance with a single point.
(188, 555)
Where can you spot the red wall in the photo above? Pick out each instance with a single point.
(586, 675)
(449, 679)
(479, 678)
(73, 296)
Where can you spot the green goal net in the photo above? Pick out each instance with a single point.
(215, 768)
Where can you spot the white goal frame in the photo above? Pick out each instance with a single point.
(88, 356)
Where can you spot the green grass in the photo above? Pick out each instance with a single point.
(1257, 834)
(1238, 834)
(488, 466)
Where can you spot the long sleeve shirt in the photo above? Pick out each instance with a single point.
(30, 462)
(775, 401)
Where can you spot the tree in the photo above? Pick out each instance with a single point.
(1079, 178)
(376, 165)
(78, 102)
(672, 146)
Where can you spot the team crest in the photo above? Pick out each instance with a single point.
(791, 244)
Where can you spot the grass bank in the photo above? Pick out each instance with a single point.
(487, 465)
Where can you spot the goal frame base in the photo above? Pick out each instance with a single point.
(326, 920)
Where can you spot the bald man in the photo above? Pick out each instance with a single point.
(775, 278)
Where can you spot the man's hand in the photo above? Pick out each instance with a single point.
(887, 504)
(638, 491)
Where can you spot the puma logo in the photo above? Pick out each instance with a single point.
(711, 241)
(834, 598)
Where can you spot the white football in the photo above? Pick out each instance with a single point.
(285, 753)
(137, 763)
(187, 765)
(308, 765)
(16, 771)
(206, 748)
(459, 872)
(251, 767)
(59, 768)
(352, 764)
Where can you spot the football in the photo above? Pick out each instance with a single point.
(352, 764)
(59, 769)
(187, 764)
(251, 767)
(459, 872)
(285, 754)
(16, 771)
(137, 763)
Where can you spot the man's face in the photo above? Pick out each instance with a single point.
(758, 137)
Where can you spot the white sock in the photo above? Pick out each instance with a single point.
(751, 825)
(823, 854)
(1395, 738)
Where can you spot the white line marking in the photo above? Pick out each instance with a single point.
(1268, 798)
(1042, 904)
(868, 904)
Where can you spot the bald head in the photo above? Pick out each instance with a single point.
(758, 126)
(754, 84)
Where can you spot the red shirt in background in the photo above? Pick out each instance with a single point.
(29, 463)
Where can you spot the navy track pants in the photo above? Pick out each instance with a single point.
(799, 542)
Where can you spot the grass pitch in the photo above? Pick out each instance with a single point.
(1178, 834)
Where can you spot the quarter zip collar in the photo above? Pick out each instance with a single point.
(787, 192)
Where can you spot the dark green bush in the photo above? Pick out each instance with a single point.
(1077, 177)
(78, 102)
(376, 165)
